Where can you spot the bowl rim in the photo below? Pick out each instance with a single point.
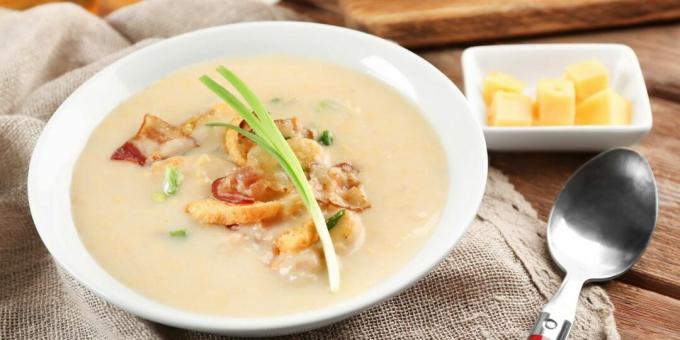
(283, 324)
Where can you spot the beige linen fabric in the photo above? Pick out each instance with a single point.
(491, 286)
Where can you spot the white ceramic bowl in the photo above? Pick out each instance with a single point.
(529, 63)
(67, 132)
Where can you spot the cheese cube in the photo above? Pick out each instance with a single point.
(604, 108)
(497, 81)
(589, 77)
(510, 109)
(556, 102)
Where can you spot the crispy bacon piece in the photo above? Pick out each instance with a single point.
(220, 190)
(156, 139)
(236, 187)
(245, 186)
(291, 127)
(129, 152)
(348, 236)
(339, 185)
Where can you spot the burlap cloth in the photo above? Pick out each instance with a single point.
(491, 286)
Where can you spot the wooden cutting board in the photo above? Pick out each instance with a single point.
(432, 22)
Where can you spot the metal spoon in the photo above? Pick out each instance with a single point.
(599, 227)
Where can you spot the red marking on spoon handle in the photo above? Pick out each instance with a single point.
(538, 337)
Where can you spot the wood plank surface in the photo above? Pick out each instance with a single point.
(430, 22)
(644, 315)
(307, 6)
(322, 11)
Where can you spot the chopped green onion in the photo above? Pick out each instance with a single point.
(326, 138)
(332, 221)
(159, 197)
(178, 233)
(326, 104)
(173, 178)
(275, 100)
(267, 135)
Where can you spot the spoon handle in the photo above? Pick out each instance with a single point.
(555, 320)
(547, 328)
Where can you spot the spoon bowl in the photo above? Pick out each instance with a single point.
(603, 219)
(599, 227)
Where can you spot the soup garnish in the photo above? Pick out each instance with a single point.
(332, 221)
(266, 134)
(252, 193)
(178, 233)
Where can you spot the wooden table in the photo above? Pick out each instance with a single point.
(647, 298)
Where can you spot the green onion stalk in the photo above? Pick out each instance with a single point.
(267, 135)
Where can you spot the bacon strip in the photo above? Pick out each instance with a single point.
(156, 139)
(129, 152)
(247, 185)
(226, 189)
(339, 185)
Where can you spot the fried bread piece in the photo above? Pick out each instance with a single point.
(212, 211)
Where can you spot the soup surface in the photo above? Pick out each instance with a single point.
(379, 138)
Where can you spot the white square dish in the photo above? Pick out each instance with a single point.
(532, 62)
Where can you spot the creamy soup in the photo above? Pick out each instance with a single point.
(231, 237)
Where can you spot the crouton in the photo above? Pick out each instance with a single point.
(296, 239)
(348, 236)
(259, 158)
(220, 110)
(212, 211)
(237, 146)
(308, 151)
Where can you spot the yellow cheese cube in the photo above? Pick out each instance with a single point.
(589, 77)
(603, 108)
(497, 81)
(510, 109)
(556, 102)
